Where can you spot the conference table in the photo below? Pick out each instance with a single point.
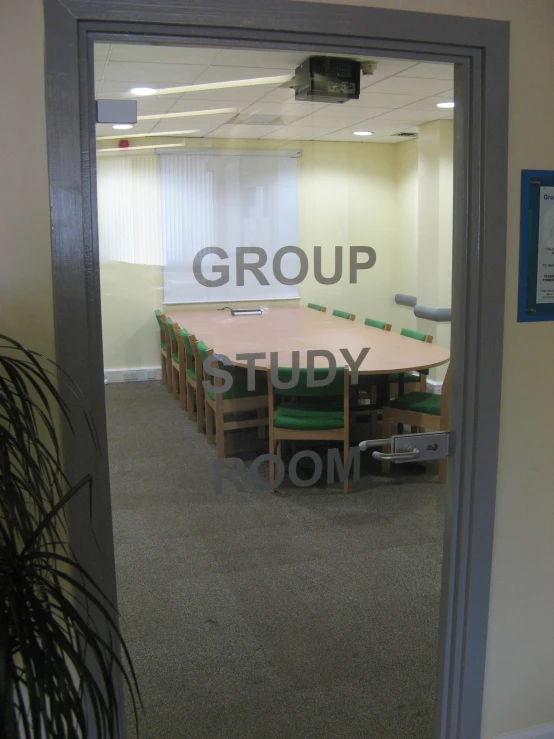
(285, 329)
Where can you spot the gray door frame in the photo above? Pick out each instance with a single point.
(480, 50)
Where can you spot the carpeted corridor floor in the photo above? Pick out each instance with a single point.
(304, 614)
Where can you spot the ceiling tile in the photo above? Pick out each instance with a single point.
(292, 133)
(106, 129)
(101, 51)
(153, 105)
(242, 132)
(149, 73)
(287, 60)
(346, 115)
(431, 103)
(231, 96)
(405, 114)
(224, 74)
(370, 99)
(411, 86)
(203, 122)
(162, 54)
(384, 68)
(294, 110)
(430, 70)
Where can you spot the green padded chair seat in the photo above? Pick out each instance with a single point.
(307, 417)
(175, 357)
(314, 306)
(419, 403)
(239, 389)
(375, 324)
(163, 345)
(418, 335)
(191, 373)
(342, 314)
(408, 377)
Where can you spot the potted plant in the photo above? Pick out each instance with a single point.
(59, 642)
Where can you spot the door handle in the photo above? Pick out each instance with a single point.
(411, 447)
(412, 453)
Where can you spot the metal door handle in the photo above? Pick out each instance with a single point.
(411, 454)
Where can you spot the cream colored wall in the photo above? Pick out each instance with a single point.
(520, 651)
(26, 311)
(406, 156)
(434, 228)
(347, 198)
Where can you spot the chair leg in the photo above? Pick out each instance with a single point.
(346, 450)
(183, 394)
(209, 424)
(169, 373)
(175, 382)
(374, 424)
(191, 396)
(442, 470)
(164, 370)
(200, 410)
(385, 466)
(262, 427)
(220, 436)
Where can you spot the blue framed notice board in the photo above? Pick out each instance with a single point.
(536, 255)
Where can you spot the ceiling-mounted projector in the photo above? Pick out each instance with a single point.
(327, 79)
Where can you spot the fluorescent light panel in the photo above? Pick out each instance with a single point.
(251, 82)
(144, 135)
(186, 114)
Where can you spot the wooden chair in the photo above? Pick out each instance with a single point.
(191, 371)
(160, 317)
(420, 410)
(238, 399)
(172, 357)
(413, 381)
(377, 324)
(367, 391)
(315, 306)
(344, 314)
(309, 413)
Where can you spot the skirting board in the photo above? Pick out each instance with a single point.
(155, 373)
(132, 374)
(546, 731)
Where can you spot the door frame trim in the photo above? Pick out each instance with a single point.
(480, 50)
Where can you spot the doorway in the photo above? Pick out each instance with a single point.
(461, 497)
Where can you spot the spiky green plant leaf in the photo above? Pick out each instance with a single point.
(59, 640)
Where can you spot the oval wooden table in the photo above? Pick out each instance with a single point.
(291, 328)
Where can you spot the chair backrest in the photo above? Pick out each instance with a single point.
(172, 332)
(377, 324)
(344, 314)
(315, 306)
(161, 319)
(418, 335)
(185, 336)
(301, 389)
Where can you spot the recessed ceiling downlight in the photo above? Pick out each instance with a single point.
(363, 133)
(142, 91)
(445, 105)
(122, 126)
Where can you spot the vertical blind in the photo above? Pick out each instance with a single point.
(129, 212)
(163, 209)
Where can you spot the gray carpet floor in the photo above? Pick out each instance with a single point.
(306, 613)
